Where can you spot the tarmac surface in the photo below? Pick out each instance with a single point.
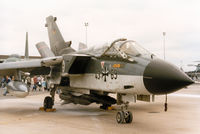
(21, 116)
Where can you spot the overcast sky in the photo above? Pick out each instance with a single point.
(139, 20)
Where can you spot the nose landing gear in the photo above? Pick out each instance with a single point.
(124, 116)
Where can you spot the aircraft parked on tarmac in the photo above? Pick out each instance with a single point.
(195, 75)
(89, 75)
(18, 88)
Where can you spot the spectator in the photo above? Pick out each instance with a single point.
(39, 83)
(35, 83)
(8, 79)
(43, 84)
(28, 80)
(3, 82)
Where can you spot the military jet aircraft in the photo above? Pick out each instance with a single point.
(17, 57)
(195, 75)
(89, 75)
(16, 88)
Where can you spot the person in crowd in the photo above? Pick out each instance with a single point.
(12, 78)
(3, 81)
(43, 84)
(28, 81)
(35, 83)
(8, 79)
(39, 83)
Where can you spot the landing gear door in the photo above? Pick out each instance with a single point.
(67, 63)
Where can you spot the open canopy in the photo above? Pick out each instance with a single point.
(121, 48)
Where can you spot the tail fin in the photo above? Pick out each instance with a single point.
(82, 46)
(44, 50)
(26, 56)
(56, 40)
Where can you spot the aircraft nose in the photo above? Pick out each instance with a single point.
(161, 77)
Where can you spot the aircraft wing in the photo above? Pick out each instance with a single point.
(35, 67)
(72, 64)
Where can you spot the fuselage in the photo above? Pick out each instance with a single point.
(112, 75)
(141, 76)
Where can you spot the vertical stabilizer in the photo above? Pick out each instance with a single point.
(56, 40)
(26, 56)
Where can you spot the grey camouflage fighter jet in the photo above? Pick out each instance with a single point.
(89, 75)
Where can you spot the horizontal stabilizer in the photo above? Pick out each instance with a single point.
(44, 50)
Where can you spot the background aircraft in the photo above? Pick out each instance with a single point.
(16, 88)
(88, 76)
(16, 57)
(195, 75)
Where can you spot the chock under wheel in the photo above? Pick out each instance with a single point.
(111, 108)
(47, 110)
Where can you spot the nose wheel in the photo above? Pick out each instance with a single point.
(128, 117)
(124, 117)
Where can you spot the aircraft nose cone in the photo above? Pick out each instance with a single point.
(161, 77)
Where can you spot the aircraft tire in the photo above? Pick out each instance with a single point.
(48, 103)
(120, 117)
(129, 117)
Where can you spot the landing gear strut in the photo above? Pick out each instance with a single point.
(165, 105)
(124, 116)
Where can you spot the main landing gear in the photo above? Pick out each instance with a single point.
(49, 102)
(124, 116)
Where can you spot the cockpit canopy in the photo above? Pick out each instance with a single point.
(133, 48)
(124, 49)
(130, 48)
